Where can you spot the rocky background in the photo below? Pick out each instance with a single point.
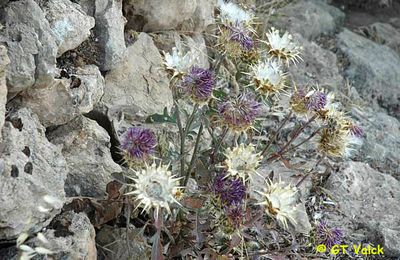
(75, 73)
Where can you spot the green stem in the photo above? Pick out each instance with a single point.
(182, 137)
(196, 148)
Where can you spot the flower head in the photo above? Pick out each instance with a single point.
(280, 202)
(337, 138)
(198, 85)
(242, 161)
(329, 236)
(229, 190)
(236, 40)
(298, 101)
(283, 47)
(235, 214)
(239, 113)
(155, 187)
(268, 77)
(316, 100)
(179, 62)
(231, 13)
(138, 144)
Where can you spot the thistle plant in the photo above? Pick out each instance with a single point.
(208, 106)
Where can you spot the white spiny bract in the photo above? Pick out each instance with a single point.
(283, 47)
(268, 77)
(280, 201)
(232, 14)
(178, 61)
(155, 187)
(242, 161)
(28, 252)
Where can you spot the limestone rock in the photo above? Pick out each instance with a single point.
(113, 242)
(72, 236)
(70, 25)
(318, 66)
(374, 70)
(158, 15)
(139, 81)
(86, 148)
(110, 32)
(368, 202)
(30, 168)
(384, 33)
(31, 46)
(381, 142)
(4, 61)
(310, 18)
(66, 98)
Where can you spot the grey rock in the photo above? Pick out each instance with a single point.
(31, 46)
(202, 17)
(373, 69)
(69, 23)
(33, 168)
(381, 140)
(86, 148)
(110, 32)
(369, 206)
(158, 15)
(66, 98)
(114, 241)
(139, 81)
(309, 18)
(4, 61)
(318, 66)
(72, 238)
(384, 33)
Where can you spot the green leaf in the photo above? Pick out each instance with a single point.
(161, 118)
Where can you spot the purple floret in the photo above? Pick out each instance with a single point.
(242, 36)
(198, 84)
(229, 190)
(138, 142)
(316, 101)
(357, 131)
(329, 236)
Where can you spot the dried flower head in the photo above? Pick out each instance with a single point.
(329, 236)
(280, 202)
(298, 101)
(198, 84)
(268, 77)
(337, 139)
(242, 161)
(179, 62)
(239, 113)
(138, 144)
(231, 14)
(155, 187)
(235, 40)
(284, 48)
(229, 190)
(234, 213)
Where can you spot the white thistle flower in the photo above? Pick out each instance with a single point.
(269, 77)
(231, 13)
(280, 201)
(178, 61)
(155, 187)
(283, 47)
(242, 161)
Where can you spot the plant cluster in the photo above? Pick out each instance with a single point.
(227, 105)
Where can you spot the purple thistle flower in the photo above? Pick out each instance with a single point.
(316, 101)
(229, 190)
(357, 131)
(329, 236)
(139, 143)
(198, 84)
(239, 113)
(235, 214)
(241, 35)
